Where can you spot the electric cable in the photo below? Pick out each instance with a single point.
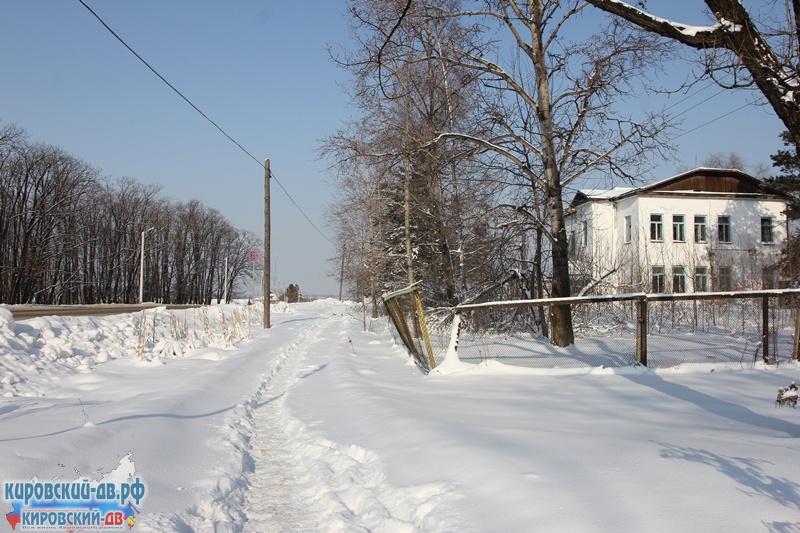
(701, 102)
(712, 120)
(254, 158)
(272, 176)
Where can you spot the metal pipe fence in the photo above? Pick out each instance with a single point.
(653, 330)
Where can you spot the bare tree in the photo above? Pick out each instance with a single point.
(359, 214)
(407, 96)
(552, 106)
(732, 160)
(40, 186)
(725, 160)
(69, 236)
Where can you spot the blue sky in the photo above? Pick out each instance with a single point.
(261, 70)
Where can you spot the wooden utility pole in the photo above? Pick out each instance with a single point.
(225, 285)
(267, 251)
(341, 272)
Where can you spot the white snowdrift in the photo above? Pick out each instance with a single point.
(317, 425)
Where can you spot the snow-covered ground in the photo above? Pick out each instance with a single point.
(316, 425)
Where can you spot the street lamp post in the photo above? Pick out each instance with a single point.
(141, 268)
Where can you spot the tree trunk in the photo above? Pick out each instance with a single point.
(560, 315)
(407, 202)
(561, 333)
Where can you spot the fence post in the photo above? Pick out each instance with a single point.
(765, 328)
(796, 347)
(641, 331)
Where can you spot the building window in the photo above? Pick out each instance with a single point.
(724, 228)
(769, 278)
(656, 227)
(678, 279)
(724, 279)
(766, 230)
(699, 228)
(584, 233)
(659, 279)
(628, 228)
(701, 279)
(678, 228)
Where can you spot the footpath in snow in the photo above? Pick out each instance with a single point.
(317, 425)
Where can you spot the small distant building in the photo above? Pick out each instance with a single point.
(704, 230)
(293, 293)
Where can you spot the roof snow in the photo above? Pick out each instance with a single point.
(604, 194)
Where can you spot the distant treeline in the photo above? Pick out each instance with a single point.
(71, 236)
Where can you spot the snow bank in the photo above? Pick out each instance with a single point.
(318, 425)
(36, 352)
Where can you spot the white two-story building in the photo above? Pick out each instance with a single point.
(703, 230)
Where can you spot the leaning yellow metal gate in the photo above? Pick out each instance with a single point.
(405, 309)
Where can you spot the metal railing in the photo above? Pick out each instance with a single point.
(653, 330)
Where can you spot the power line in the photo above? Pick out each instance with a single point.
(688, 96)
(698, 104)
(272, 175)
(391, 33)
(712, 120)
(692, 95)
(154, 71)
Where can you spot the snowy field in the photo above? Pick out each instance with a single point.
(317, 426)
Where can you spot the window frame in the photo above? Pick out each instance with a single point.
(724, 281)
(769, 227)
(769, 278)
(660, 274)
(628, 229)
(657, 227)
(702, 226)
(679, 227)
(724, 229)
(679, 279)
(701, 273)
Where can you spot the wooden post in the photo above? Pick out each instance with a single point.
(267, 251)
(765, 328)
(641, 332)
(141, 272)
(796, 347)
(341, 272)
(225, 284)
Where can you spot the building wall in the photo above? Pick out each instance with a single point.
(736, 265)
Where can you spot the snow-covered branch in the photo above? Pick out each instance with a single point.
(700, 37)
(736, 32)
